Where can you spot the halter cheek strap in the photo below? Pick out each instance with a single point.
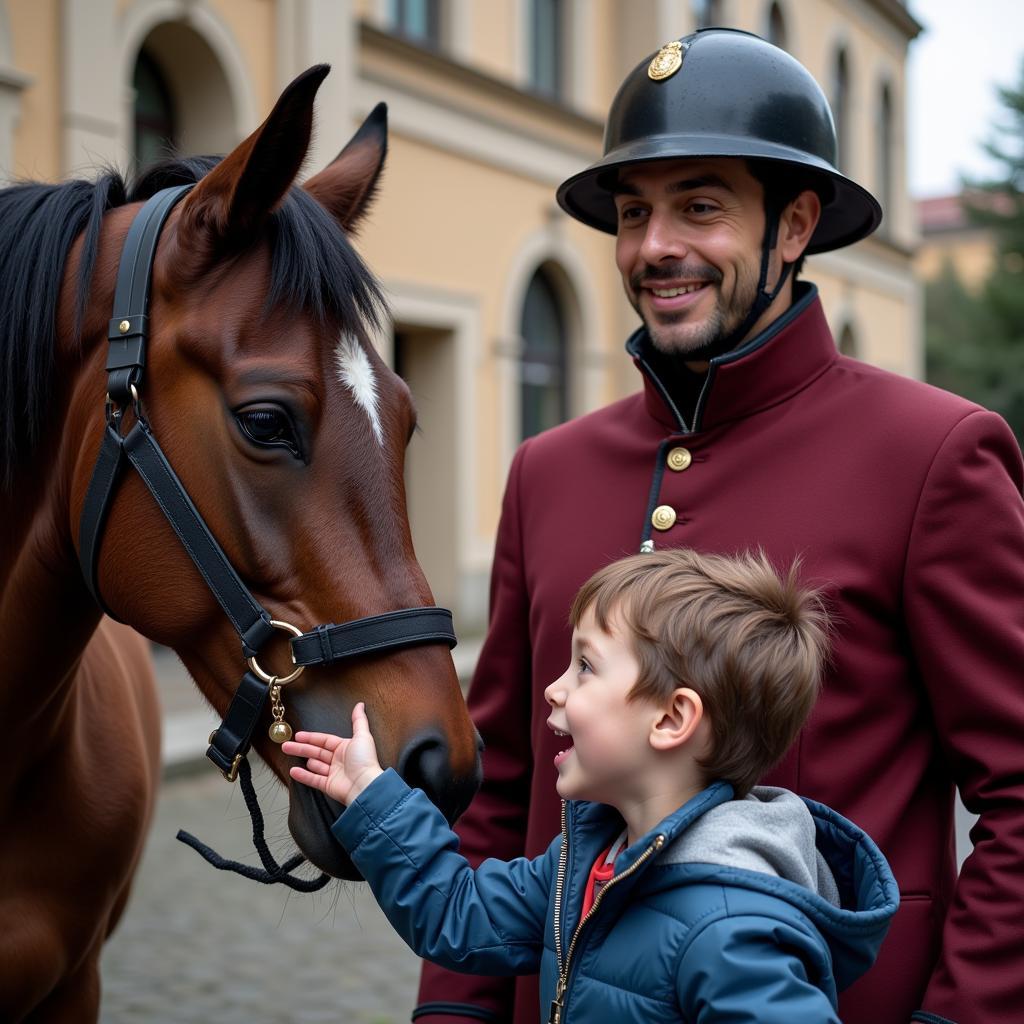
(139, 450)
(763, 298)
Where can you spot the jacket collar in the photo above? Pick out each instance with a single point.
(593, 826)
(773, 365)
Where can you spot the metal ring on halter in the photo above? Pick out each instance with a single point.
(271, 679)
(111, 403)
(135, 396)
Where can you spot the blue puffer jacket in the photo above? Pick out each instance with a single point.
(677, 935)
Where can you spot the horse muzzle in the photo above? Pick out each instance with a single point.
(424, 764)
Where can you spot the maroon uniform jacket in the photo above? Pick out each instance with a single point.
(904, 504)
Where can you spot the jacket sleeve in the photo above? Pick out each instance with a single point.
(491, 919)
(753, 970)
(499, 703)
(964, 607)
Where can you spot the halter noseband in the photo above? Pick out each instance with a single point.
(324, 644)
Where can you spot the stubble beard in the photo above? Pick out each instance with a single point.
(702, 340)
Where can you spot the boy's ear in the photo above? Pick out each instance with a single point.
(679, 720)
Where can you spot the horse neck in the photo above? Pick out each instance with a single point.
(46, 612)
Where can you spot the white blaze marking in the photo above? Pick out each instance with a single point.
(356, 373)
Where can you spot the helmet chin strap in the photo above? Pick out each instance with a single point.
(762, 300)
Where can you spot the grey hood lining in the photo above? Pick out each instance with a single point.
(769, 831)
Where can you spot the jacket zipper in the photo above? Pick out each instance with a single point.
(558, 1003)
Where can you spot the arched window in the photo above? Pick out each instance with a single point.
(182, 96)
(156, 132)
(777, 27)
(885, 146)
(848, 342)
(547, 47)
(543, 363)
(841, 104)
(707, 13)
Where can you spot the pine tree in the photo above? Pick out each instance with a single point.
(975, 344)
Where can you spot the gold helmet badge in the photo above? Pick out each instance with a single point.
(667, 61)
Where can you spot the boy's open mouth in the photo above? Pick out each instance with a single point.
(562, 754)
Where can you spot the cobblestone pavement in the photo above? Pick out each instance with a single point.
(198, 944)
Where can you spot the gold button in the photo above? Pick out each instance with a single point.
(664, 517)
(679, 459)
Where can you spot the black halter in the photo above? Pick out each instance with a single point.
(324, 644)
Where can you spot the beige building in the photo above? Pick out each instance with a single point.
(950, 238)
(509, 316)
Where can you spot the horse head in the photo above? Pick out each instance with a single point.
(288, 432)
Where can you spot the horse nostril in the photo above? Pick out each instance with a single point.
(425, 764)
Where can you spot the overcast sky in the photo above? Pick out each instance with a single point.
(967, 48)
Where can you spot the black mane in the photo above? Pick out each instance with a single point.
(313, 269)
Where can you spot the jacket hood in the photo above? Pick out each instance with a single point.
(774, 843)
(770, 831)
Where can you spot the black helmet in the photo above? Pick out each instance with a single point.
(723, 92)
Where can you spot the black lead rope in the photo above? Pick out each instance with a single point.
(271, 872)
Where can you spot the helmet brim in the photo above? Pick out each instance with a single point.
(851, 214)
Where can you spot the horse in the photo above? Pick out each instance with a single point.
(286, 430)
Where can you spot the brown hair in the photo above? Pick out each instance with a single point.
(750, 642)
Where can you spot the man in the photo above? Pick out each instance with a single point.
(903, 501)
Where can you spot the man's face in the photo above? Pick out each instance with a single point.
(689, 248)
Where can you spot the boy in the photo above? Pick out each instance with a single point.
(676, 891)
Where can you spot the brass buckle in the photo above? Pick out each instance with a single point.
(266, 677)
(232, 773)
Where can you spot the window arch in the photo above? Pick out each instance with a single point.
(885, 151)
(182, 94)
(156, 132)
(841, 104)
(777, 27)
(543, 361)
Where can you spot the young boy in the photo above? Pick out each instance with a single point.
(676, 891)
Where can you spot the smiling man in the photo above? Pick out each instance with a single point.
(752, 431)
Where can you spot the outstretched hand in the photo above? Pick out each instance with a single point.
(341, 768)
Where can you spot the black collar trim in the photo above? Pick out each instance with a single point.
(639, 347)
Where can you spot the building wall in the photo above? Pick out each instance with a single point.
(971, 253)
(950, 237)
(33, 45)
(467, 213)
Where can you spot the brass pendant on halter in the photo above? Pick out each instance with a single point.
(280, 730)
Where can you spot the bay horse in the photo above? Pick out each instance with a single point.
(288, 433)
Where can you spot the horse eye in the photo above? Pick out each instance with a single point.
(269, 427)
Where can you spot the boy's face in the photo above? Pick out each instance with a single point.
(607, 755)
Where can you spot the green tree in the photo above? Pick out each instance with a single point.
(975, 343)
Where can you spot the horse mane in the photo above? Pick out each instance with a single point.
(313, 269)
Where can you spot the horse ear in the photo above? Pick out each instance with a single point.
(348, 184)
(229, 205)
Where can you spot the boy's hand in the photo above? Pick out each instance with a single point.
(341, 768)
